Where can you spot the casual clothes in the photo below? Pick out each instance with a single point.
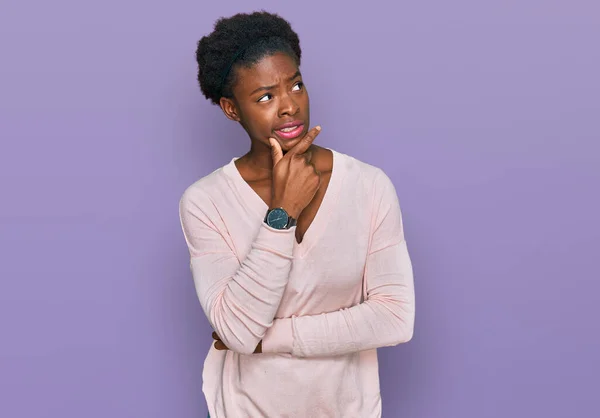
(321, 307)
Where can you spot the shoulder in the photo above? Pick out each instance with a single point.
(364, 173)
(370, 184)
(204, 190)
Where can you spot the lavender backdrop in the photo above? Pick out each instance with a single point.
(486, 116)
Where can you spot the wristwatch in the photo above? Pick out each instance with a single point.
(278, 218)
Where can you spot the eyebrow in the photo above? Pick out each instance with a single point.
(296, 74)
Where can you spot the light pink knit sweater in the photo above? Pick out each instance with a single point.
(321, 307)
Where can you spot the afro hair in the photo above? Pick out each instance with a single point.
(241, 40)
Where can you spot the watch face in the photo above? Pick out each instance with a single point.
(277, 218)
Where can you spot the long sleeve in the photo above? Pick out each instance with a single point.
(384, 318)
(239, 299)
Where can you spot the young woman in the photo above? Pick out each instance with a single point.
(297, 251)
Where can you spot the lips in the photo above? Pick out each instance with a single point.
(290, 130)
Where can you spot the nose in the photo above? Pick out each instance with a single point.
(287, 105)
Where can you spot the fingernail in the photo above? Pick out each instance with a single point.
(318, 128)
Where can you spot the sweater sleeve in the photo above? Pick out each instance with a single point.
(385, 318)
(240, 299)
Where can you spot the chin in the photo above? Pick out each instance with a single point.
(288, 144)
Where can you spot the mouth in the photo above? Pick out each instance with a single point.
(290, 131)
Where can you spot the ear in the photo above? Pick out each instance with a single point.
(229, 108)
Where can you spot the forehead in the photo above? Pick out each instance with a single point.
(270, 70)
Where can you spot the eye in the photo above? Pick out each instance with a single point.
(268, 95)
(300, 85)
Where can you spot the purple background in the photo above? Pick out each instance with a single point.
(486, 117)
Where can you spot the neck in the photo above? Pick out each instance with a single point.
(259, 157)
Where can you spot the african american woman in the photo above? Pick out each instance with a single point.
(297, 251)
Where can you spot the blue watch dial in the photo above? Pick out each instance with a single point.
(277, 218)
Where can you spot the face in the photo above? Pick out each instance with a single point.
(270, 101)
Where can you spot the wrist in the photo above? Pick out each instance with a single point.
(290, 209)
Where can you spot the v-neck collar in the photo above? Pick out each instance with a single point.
(319, 223)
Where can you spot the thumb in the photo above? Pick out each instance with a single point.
(276, 152)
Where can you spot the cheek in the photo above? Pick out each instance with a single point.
(265, 115)
(260, 119)
(303, 102)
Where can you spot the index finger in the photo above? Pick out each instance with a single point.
(308, 139)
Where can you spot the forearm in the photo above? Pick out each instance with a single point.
(239, 297)
(241, 304)
(386, 318)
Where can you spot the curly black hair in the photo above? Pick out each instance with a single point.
(241, 40)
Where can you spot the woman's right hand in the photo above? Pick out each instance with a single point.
(295, 179)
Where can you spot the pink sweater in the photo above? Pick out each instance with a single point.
(321, 307)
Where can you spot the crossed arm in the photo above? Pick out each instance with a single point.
(240, 303)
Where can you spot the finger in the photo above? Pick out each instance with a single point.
(308, 139)
(276, 152)
(308, 156)
(318, 173)
(215, 336)
(219, 345)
